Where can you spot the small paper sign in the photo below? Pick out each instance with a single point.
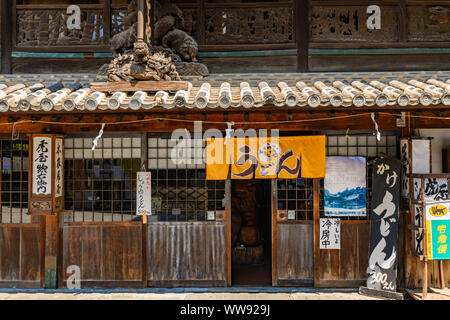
(143, 193)
(291, 215)
(211, 215)
(330, 233)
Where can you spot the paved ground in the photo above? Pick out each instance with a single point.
(185, 294)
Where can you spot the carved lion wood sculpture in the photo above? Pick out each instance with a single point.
(182, 43)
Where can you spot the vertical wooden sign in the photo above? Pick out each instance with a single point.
(46, 180)
(383, 250)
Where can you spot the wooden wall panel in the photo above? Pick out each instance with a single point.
(20, 252)
(186, 253)
(107, 254)
(346, 267)
(295, 254)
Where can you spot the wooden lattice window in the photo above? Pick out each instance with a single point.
(14, 180)
(180, 191)
(100, 185)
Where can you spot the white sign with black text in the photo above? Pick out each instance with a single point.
(330, 233)
(143, 193)
(42, 165)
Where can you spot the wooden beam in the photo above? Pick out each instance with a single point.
(139, 86)
(6, 13)
(301, 20)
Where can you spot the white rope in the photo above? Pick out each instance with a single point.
(98, 137)
(372, 115)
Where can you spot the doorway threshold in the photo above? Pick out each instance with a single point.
(232, 289)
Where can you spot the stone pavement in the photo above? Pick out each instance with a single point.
(185, 294)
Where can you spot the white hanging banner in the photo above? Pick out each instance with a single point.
(143, 193)
(42, 165)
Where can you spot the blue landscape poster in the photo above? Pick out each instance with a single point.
(345, 186)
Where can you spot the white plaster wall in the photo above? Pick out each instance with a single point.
(441, 140)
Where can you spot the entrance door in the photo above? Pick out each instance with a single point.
(250, 232)
(292, 232)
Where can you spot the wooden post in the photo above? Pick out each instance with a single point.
(107, 22)
(316, 231)
(441, 275)
(144, 157)
(424, 239)
(274, 233)
(301, 21)
(228, 228)
(140, 20)
(425, 279)
(6, 13)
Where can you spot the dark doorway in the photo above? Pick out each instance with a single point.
(251, 233)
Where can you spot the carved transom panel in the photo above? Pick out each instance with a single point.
(48, 27)
(248, 25)
(349, 23)
(428, 23)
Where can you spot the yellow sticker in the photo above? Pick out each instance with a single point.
(438, 210)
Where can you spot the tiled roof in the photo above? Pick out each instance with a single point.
(45, 93)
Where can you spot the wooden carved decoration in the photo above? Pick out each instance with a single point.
(144, 61)
(48, 27)
(350, 23)
(428, 23)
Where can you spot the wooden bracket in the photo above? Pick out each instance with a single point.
(246, 116)
(289, 116)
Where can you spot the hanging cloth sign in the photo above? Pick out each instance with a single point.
(383, 251)
(265, 158)
(143, 193)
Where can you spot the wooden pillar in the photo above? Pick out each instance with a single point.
(228, 228)
(316, 231)
(301, 22)
(6, 13)
(46, 199)
(107, 22)
(140, 20)
(144, 160)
